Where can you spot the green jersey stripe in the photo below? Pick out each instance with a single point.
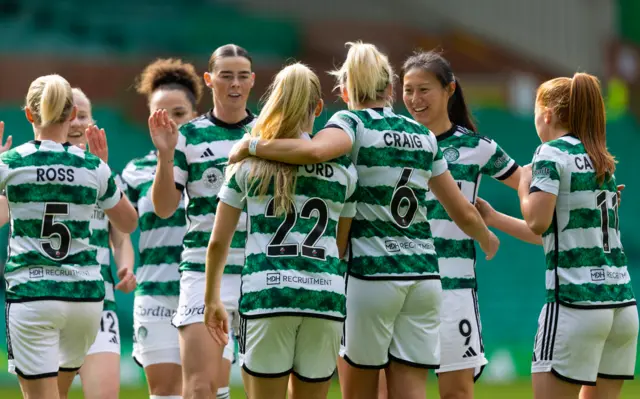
(394, 157)
(99, 238)
(296, 298)
(87, 290)
(195, 135)
(585, 218)
(197, 170)
(447, 248)
(202, 206)
(111, 190)
(566, 147)
(437, 211)
(105, 272)
(51, 160)
(180, 160)
(196, 239)
(35, 258)
(150, 221)
(239, 240)
(31, 192)
(33, 228)
(160, 255)
(378, 228)
(109, 305)
(548, 169)
(572, 293)
(396, 124)
(381, 195)
(464, 172)
(159, 288)
(269, 225)
(586, 257)
(412, 265)
(256, 263)
(455, 283)
(587, 182)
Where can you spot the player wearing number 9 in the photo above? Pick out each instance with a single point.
(394, 288)
(54, 287)
(292, 304)
(588, 329)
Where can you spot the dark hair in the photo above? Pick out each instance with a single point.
(228, 50)
(170, 74)
(430, 61)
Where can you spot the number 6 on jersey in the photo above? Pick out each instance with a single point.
(404, 196)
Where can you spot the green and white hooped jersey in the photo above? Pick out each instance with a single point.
(395, 157)
(160, 244)
(100, 239)
(468, 156)
(586, 265)
(200, 159)
(292, 264)
(52, 190)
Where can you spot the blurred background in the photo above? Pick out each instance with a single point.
(499, 49)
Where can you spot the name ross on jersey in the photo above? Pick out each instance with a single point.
(403, 140)
(55, 174)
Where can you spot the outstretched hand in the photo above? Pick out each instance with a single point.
(97, 142)
(163, 131)
(9, 141)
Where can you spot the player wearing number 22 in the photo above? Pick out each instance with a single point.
(394, 289)
(54, 288)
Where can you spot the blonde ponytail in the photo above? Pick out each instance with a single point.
(366, 74)
(288, 109)
(50, 100)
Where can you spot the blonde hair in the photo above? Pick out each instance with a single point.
(50, 100)
(366, 74)
(290, 105)
(578, 104)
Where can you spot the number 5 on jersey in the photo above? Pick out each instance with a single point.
(51, 229)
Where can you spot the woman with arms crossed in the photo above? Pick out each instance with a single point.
(394, 289)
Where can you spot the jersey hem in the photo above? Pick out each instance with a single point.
(413, 364)
(607, 306)
(571, 380)
(362, 366)
(399, 277)
(295, 314)
(616, 377)
(52, 298)
(266, 375)
(36, 376)
(312, 380)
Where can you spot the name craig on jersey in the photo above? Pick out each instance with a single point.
(404, 140)
(55, 174)
(582, 162)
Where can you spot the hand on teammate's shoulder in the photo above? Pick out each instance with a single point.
(7, 145)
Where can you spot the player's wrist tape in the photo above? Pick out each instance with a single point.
(253, 146)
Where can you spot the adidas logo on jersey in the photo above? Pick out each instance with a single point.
(114, 340)
(470, 353)
(207, 153)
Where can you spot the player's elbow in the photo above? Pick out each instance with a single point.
(315, 154)
(538, 226)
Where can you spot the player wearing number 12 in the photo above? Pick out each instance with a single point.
(588, 329)
(394, 289)
(54, 288)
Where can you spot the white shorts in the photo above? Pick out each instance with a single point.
(155, 340)
(108, 338)
(44, 337)
(274, 347)
(392, 319)
(461, 344)
(581, 345)
(191, 303)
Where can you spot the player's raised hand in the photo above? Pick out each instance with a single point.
(163, 131)
(97, 142)
(217, 322)
(620, 188)
(9, 141)
(127, 282)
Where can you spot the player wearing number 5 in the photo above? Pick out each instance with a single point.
(394, 289)
(292, 304)
(54, 288)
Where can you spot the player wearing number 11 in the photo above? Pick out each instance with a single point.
(394, 289)
(54, 287)
(588, 329)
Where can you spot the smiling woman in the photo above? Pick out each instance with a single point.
(194, 158)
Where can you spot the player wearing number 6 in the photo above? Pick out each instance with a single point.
(394, 288)
(588, 329)
(292, 304)
(54, 288)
